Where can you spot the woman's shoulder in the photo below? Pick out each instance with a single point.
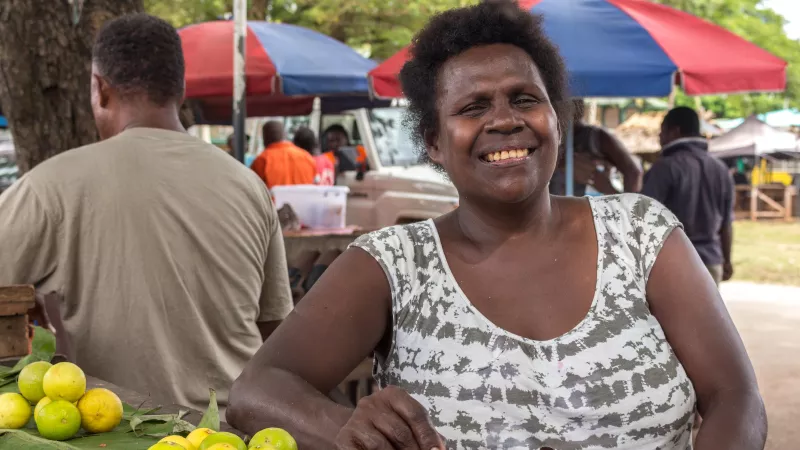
(634, 210)
(396, 239)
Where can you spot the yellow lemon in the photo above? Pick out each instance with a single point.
(222, 446)
(39, 405)
(30, 380)
(262, 447)
(14, 411)
(64, 381)
(58, 420)
(197, 436)
(101, 410)
(167, 446)
(276, 437)
(179, 440)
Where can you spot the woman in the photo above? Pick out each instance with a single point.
(519, 320)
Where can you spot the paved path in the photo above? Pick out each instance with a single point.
(768, 318)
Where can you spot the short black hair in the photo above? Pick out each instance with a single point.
(338, 128)
(304, 138)
(140, 54)
(685, 119)
(455, 31)
(272, 132)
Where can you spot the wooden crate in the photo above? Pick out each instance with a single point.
(15, 301)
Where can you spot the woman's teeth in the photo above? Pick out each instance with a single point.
(507, 154)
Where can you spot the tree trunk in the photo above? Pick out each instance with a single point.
(259, 9)
(45, 72)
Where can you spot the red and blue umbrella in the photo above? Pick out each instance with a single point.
(281, 60)
(636, 48)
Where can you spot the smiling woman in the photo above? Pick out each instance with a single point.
(521, 319)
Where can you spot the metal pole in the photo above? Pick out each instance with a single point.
(239, 85)
(569, 172)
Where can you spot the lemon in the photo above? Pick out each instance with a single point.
(30, 380)
(58, 420)
(222, 446)
(223, 438)
(14, 411)
(197, 436)
(276, 437)
(167, 446)
(39, 405)
(64, 381)
(262, 447)
(101, 410)
(180, 440)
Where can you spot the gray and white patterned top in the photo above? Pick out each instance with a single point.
(612, 382)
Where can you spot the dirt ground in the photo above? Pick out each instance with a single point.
(768, 318)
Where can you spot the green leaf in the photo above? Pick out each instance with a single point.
(43, 347)
(211, 417)
(23, 440)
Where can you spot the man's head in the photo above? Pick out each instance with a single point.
(272, 132)
(680, 122)
(304, 138)
(137, 73)
(335, 137)
(231, 139)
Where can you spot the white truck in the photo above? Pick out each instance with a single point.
(395, 188)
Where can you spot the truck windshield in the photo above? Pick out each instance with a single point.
(392, 139)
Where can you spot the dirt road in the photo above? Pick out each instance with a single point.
(768, 318)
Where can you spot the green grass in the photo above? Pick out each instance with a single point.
(767, 252)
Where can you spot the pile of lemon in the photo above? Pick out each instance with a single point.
(63, 405)
(206, 439)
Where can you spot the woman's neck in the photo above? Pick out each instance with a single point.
(492, 224)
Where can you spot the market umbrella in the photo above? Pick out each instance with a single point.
(281, 59)
(635, 48)
(754, 138)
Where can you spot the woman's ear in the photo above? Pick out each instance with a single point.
(432, 146)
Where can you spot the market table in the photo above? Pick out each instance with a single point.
(136, 399)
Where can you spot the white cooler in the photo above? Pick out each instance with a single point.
(317, 207)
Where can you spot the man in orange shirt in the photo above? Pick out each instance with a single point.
(282, 162)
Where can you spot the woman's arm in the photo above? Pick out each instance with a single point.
(340, 322)
(686, 302)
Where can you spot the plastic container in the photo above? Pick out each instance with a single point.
(317, 207)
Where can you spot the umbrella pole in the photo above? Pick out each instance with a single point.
(569, 170)
(239, 111)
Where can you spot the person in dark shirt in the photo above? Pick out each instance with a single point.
(697, 188)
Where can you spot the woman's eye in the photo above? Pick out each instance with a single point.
(525, 101)
(472, 109)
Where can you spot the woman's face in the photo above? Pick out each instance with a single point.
(498, 133)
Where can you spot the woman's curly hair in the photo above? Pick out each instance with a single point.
(451, 33)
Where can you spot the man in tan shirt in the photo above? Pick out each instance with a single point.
(167, 251)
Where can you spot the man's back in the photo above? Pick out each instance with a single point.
(698, 189)
(167, 252)
(283, 163)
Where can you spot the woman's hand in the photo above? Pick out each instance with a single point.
(389, 419)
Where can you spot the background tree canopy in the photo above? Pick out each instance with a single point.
(381, 27)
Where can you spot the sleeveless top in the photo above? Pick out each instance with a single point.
(612, 382)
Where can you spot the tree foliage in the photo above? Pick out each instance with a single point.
(761, 26)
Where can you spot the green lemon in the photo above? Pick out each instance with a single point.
(276, 437)
(58, 420)
(30, 380)
(223, 438)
